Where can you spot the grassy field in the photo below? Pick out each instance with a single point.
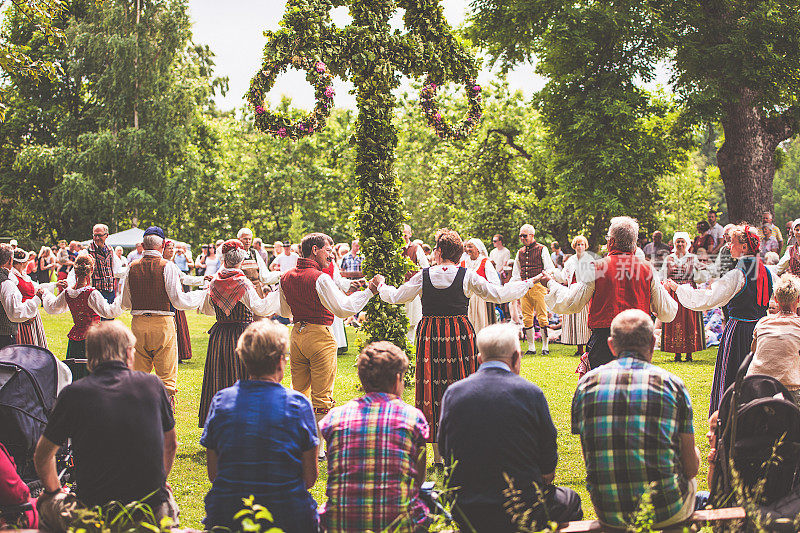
(553, 373)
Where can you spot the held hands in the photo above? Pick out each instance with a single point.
(670, 284)
(39, 292)
(375, 283)
(62, 284)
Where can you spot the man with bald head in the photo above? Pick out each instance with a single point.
(531, 260)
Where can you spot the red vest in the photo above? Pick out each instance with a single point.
(622, 281)
(26, 288)
(82, 314)
(481, 270)
(530, 260)
(299, 286)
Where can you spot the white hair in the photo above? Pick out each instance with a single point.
(100, 226)
(625, 231)
(152, 242)
(528, 227)
(498, 341)
(234, 257)
(244, 231)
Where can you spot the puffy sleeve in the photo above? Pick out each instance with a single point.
(719, 293)
(571, 299)
(335, 300)
(662, 304)
(404, 293)
(268, 305)
(102, 307)
(513, 290)
(491, 273)
(783, 264)
(55, 305)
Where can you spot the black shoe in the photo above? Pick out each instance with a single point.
(545, 351)
(689, 358)
(677, 358)
(530, 352)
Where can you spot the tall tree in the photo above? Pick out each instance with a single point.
(736, 62)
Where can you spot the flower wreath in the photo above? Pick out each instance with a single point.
(280, 125)
(444, 130)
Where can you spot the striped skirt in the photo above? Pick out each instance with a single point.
(575, 328)
(184, 340)
(733, 348)
(223, 368)
(446, 353)
(32, 332)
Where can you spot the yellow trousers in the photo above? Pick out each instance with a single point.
(533, 305)
(156, 348)
(313, 364)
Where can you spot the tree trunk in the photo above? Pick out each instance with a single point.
(747, 157)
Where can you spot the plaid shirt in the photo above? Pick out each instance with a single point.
(629, 414)
(351, 264)
(103, 275)
(373, 446)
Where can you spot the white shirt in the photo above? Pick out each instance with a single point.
(547, 261)
(265, 275)
(17, 310)
(332, 298)
(700, 273)
(718, 294)
(286, 262)
(582, 268)
(783, 264)
(500, 257)
(133, 256)
(572, 299)
(55, 305)
(442, 276)
(268, 305)
(172, 282)
(717, 231)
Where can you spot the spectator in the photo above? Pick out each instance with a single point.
(258, 245)
(107, 265)
(13, 492)
(284, 261)
(766, 220)
(716, 231)
(776, 339)
(200, 264)
(137, 253)
(557, 255)
(46, 264)
(499, 255)
(768, 241)
(63, 260)
(183, 259)
(376, 450)
(122, 431)
(657, 250)
(119, 251)
(704, 239)
(351, 262)
(724, 263)
(635, 423)
(496, 422)
(261, 439)
(212, 262)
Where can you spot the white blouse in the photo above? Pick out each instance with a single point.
(718, 294)
(55, 305)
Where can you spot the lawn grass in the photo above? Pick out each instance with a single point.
(553, 373)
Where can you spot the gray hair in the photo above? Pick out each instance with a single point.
(624, 231)
(498, 341)
(100, 226)
(6, 252)
(152, 242)
(234, 257)
(108, 341)
(261, 347)
(244, 231)
(632, 331)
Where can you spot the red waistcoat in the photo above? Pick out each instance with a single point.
(622, 281)
(299, 286)
(481, 270)
(26, 288)
(82, 314)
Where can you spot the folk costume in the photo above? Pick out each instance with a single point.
(31, 331)
(685, 334)
(417, 256)
(337, 328)
(575, 327)
(151, 288)
(233, 299)
(530, 261)
(480, 312)
(181, 324)
(445, 341)
(14, 310)
(312, 297)
(107, 266)
(615, 283)
(791, 258)
(87, 306)
(744, 292)
(255, 269)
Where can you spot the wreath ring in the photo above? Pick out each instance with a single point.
(432, 113)
(278, 124)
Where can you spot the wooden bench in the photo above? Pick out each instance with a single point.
(698, 517)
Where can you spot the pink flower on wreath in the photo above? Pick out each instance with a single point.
(259, 110)
(301, 127)
(437, 117)
(477, 88)
(320, 66)
(329, 92)
(282, 133)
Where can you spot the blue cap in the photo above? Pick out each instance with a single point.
(155, 230)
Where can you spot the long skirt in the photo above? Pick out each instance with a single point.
(223, 368)
(733, 348)
(479, 313)
(685, 334)
(446, 353)
(32, 332)
(184, 340)
(575, 329)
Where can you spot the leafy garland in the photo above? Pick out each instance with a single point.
(430, 108)
(280, 125)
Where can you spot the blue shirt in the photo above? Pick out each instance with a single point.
(259, 430)
(495, 364)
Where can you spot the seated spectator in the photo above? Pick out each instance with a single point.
(496, 422)
(122, 430)
(261, 439)
(776, 338)
(635, 423)
(14, 492)
(376, 451)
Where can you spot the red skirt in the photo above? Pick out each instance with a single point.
(446, 353)
(184, 340)
(685, 334)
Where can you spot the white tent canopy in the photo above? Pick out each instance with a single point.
(128, 239)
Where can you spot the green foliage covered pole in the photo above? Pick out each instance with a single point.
(373, 57)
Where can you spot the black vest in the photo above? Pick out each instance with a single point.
(744, 305)
(444, 302)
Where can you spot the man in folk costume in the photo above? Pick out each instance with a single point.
(13, 309)
(254, 266)
(151, 287)
(311, 296)
(531, 260)
(619, 281)
(417, 256)
(107, 265)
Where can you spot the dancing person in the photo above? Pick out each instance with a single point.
(575, 328)
(260, 437)
(744, 292)
(416, 255)
(107, 265)
(181, 325)
(481, 312)
(613, 284)
(14, 309)
(376, 451)
(31, 331)
(445, 340)
(791, 259)
(776, 338)
(685, 334)
(84, 302)
(232, 298)
(253, 266)
(531, 260)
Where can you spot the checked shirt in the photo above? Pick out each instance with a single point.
(630, 414)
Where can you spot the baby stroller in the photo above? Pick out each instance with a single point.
(29, 378)
(758, 431)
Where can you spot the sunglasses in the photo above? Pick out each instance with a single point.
(523, 235)
(99, 235)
